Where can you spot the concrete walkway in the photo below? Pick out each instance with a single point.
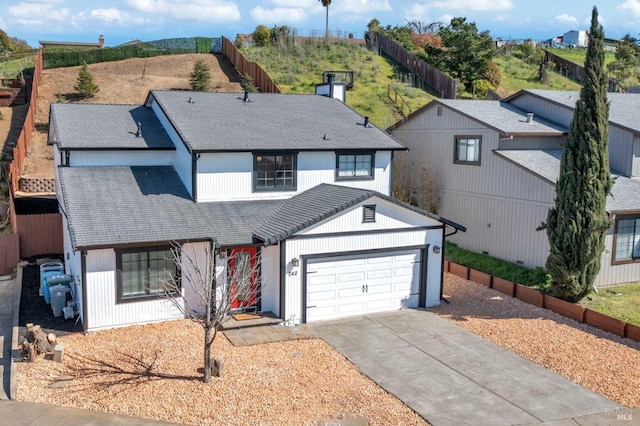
(7, 296)
(451, 376)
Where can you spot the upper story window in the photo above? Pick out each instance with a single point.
(355, 166)
(145, 273)
(274, 172)
(467, 150)
(627, 239)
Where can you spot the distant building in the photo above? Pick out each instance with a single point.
(72, 44)
(576, 38)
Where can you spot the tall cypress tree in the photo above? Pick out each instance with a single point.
(578, 223)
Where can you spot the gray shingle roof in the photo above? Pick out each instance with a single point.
(100, 126)
(317, 204)
(623, 109)
(503, 117)
(224, 122)
(110, 206)
(625, 194)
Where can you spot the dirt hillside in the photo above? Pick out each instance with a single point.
(120, 82)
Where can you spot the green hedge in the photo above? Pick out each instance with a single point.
(500, 268)
(56, 58)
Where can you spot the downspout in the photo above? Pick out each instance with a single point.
(83, 267)
(444, 236)
(194, 176)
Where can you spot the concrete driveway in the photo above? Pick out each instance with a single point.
(451, 376)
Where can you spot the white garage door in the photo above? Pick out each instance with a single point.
(354, 285)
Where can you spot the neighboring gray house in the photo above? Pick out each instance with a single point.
(496, 164)
(298, 180)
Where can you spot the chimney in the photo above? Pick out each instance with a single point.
(366, 121)
(246, 96)
(529, 117)
(330, 77)
(139, 132)
(101, 40)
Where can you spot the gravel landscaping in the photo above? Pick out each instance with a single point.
(152, 371)
(598, 360)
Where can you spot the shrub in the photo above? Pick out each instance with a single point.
(200, 76)
(493, 74)
(261, 36)
(481, 88)
(84, 84)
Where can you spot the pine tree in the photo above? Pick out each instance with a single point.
(200, 76)
(578, 223)
(84, 84)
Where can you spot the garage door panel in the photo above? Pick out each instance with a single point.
(335, 285)
(319, 296)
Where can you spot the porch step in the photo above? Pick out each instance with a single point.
(266, 318)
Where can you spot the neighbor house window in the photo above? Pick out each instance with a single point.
(145, 273)
(355, 166)
(274, 172)
(467, 150)
(627, 239)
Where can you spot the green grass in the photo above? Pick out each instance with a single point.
(578, 56)
(509, 271)
(11, 68)
(298, 68)
(622, 302)
(517, 75)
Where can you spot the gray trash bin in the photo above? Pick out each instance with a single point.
(58, 299)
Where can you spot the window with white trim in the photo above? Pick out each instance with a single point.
(467, 150)
(627, 239)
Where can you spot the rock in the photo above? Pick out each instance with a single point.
(217, 367)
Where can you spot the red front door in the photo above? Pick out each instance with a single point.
(243, 278)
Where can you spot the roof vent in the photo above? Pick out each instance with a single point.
(139, 132)
(191, 101)
(366, 121)
(246, 96)
(529, 117)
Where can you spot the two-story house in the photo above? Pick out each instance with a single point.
(300, 182)
(496, 165)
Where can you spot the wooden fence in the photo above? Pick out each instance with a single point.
(9, 253)
(535, 297)
(572, 70)
(433, 77)
(246, 67)
(22, 144)
(39, 234)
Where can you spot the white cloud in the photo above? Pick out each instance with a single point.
(107, 17)
(565, 19)
(278, 15)
(632, 6)
(359, 7)
(2, 23)
(445, 19)
(473, 5)
(297, 4)
(194, 10)
(36, 13)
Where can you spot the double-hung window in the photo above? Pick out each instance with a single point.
(274, 172)
(627, 239)
(467, 150)
(355, 165)
(145, 273)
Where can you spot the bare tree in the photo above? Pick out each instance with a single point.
(209, 297)
(415, 186)
(420, 27)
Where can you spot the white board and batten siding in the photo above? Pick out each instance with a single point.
(392, 246)
(635, 171)
(102, 309)
(229, 176)
(181, 156)
(270, 279)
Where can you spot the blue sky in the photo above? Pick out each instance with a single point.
(123, 20)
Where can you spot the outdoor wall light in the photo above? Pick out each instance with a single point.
(223, 253)
(436, 249)
(295, 262)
